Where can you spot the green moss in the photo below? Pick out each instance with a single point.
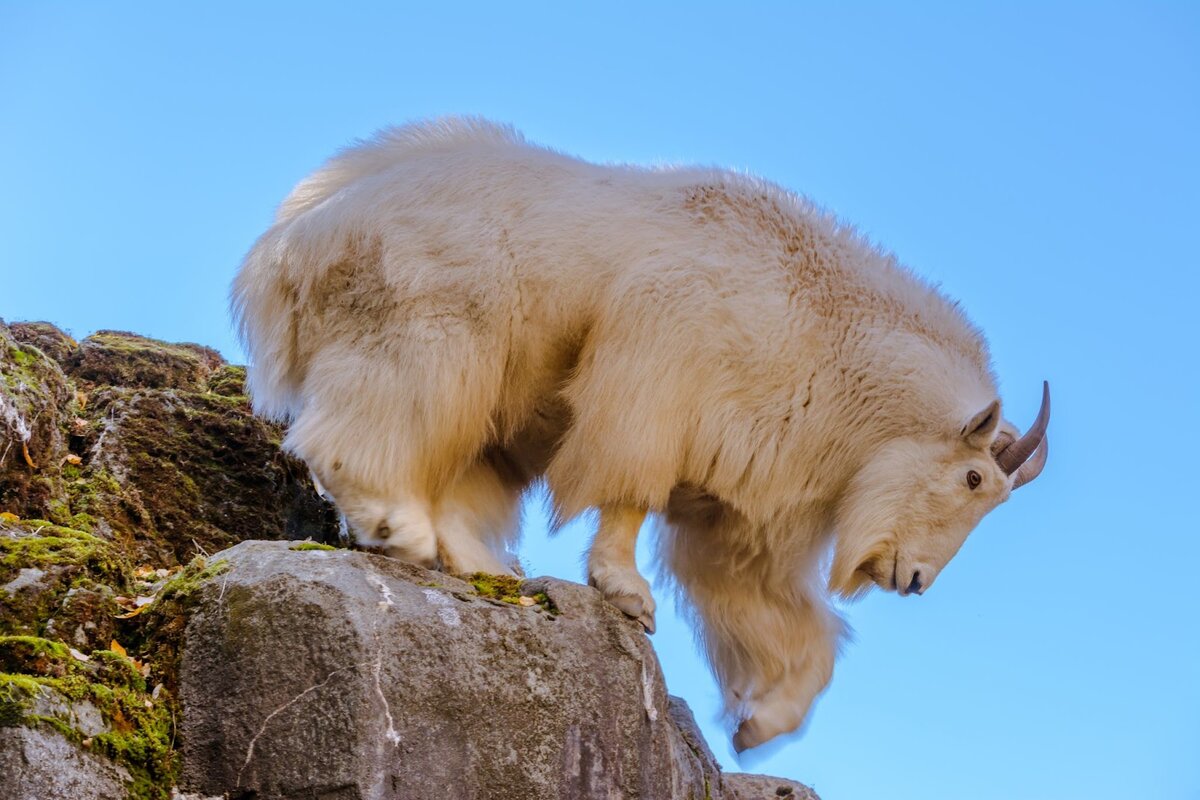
(543, 600)
(312, 546)
(183, 585)
(92, 492)
(141, 728)
(114, 669)
(21, 358)
(33, 654)
(64, 730)
(16, 696)
(228, 381)
(39, 543)
(158, 634)
(143, 744)
(506, 589)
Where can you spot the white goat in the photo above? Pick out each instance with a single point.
(446, 313)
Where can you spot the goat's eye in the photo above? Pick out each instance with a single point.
(973, 479)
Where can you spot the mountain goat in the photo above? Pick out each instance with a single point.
(445, 314)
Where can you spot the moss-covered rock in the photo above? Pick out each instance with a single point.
(183, 473)
(121, 458)
(34, 400)
(98, 701)
(509, 589)
(60, 582)
(117, 358)
(48, 338)
(228, 381)
(147, 443)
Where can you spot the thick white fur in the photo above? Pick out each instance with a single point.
(446, 313)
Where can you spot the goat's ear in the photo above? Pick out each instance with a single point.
(979, 428)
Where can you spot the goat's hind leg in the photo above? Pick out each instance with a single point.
(477, 521)
(385, 444)
(612, 563)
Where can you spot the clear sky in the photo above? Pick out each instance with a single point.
(1040, 161)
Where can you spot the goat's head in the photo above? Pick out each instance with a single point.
(911, 506)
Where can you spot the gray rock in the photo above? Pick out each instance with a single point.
(26, 578)
(337, 674)
(764, 787)
(79, 715)
(37, 764)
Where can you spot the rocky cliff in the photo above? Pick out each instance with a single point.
(152, 644)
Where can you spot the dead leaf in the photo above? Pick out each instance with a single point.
(71, 458)
(8, 516)
(133, 613)
(78, 655)
(80, 426)
(144, 571)
(119, 720)
(25, 452)
(81, 400)
(115, 646)
(526, 601)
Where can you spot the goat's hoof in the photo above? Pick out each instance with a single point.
(629, 592)
(633, 607)
(747, 736)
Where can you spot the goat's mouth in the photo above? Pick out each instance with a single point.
(890, 575)
(881, 570)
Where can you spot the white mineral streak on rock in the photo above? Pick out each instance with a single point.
(648, 694)
(445, 608)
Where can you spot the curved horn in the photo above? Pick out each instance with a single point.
(1015, 454)
(1033, 467)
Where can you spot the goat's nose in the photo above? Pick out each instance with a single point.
(914, 587)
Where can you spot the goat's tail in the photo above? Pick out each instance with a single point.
(263, 304)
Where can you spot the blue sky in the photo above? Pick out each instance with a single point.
(1040, 161)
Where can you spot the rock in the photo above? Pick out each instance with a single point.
(305, 671)
(228, 381)
(189, 472)
(405, 683)
(46, 337)
(117, 358)
(144, 441)
(33, 400)
(763, 787)
(38, 764)
(120, 457)
(77, 573)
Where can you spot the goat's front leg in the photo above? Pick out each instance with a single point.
(612, 563)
